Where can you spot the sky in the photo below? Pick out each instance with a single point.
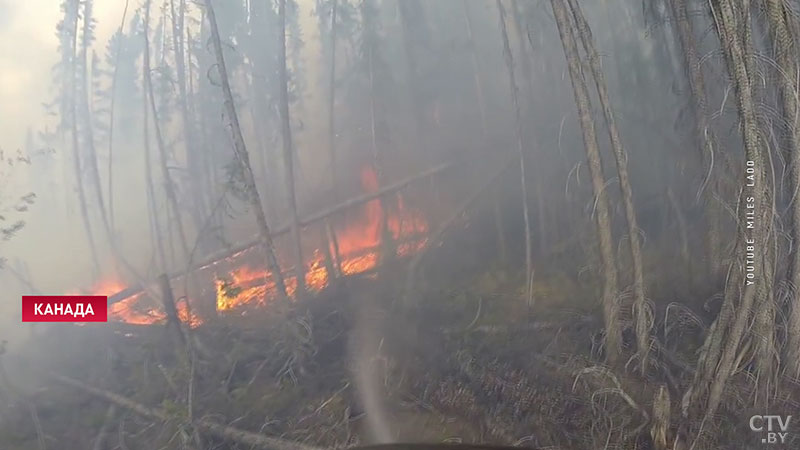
(28, 50)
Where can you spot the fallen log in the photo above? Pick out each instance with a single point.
(207, 426)
(321, 215)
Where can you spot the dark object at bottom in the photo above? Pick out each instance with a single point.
(436, 447)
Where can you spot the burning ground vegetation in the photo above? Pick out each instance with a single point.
(462, 359)
(240, 282)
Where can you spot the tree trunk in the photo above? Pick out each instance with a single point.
(198, 209)
(76, 147)
(613, 332)
(704, 133)
(751, 243)
(787, 73)
(331, 232)
(288, 151)
(206, 172)
(155, 223)
(502, 251)
(88, 124)
(406, 9)
(520, 145)
(169, 186)
(114, 77)
(527, 73)
(387, 242)
(643, 324)
(241, 153)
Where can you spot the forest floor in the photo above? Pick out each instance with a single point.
(472, 363)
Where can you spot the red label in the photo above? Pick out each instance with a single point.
(64, 308)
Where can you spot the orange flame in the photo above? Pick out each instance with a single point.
(359, 250)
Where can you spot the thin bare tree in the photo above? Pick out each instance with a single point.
(241, 153)
(169, 185)
(331, 233)
(114, 77)
(642, 316)
(198, 208)
(479, 97)
(610, 300)
(152, 208)
(523, 43)
(703, 131)
(509, 59)
(73, 15)
(87, 36)
(288, 151)
(370, 50)
(787, 73)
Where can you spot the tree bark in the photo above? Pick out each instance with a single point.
(751, 242)
(241, 153)
(288, 151)
(613, 332)
(642, 320)
(787, 73)
(520, 145)
(331, 232)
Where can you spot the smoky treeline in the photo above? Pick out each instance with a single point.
(636, 163)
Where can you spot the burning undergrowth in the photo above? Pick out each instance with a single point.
(242, 280)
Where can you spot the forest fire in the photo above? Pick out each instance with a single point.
(359, 245)
(360, 242)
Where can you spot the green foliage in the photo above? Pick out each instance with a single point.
(10, 225)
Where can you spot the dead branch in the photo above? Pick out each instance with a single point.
(205, 425)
